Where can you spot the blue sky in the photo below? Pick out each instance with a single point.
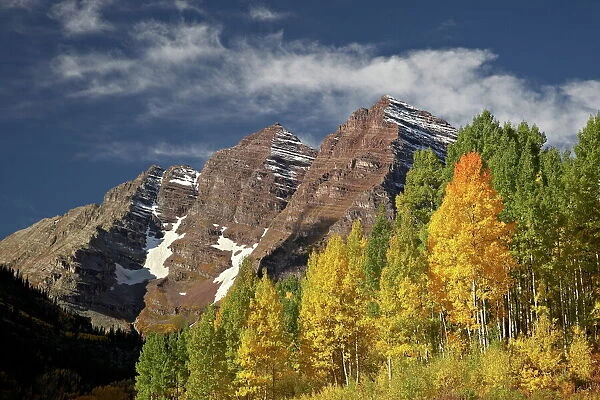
(92, 92)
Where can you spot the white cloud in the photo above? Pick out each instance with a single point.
(183, 5)
(127, 151)
(264, 14)
(80, 16)
(185, 72)
(177, 44)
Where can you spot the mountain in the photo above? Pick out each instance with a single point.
(358, 168)
(161, 247)
(240, 191)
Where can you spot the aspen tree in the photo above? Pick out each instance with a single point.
(403, 301)
(206, 359)
(333, 335)
(469, 259)
(264, 351)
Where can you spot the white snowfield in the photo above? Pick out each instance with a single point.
(238, 253)
(157, 252)
(157, 255)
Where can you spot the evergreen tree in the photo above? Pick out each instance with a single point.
(375, 251)
(154, 369)
(423, 189)
(289, 291)
(177, 349)
(233, 315)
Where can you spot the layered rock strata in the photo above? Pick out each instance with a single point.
(358, 168)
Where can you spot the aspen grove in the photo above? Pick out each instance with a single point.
(485, 284)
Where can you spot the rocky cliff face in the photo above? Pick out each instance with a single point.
(359, 167)
(75, 256)
(163, 246)
(239, 192)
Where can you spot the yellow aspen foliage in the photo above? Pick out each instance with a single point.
(333, 333)
(540, 356)
(495, 371)
(579, 358)
(264, 352)
(316, 338)
(469, 260)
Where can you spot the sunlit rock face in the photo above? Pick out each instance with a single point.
(360, 166)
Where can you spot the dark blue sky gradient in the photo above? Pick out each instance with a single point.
(61, 148)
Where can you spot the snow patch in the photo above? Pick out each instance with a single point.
(238, 253)
(183, 182)
(420, 128)
(286, 160)
(186, 177)
(158, 254)
(127, 276)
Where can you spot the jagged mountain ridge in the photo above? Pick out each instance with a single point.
(240, 191)
(270, 196)
(358, 168)
(75, 256)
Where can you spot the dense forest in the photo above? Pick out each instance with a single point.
(484, 286)
(50, 353)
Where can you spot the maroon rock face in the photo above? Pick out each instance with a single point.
(360, 166)
(242, 189)
(163, 246)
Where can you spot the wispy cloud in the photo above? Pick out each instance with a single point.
(186, 72)
(264, 14)
(447, 24)
(24, 4)
(183, 5)
(80, 16)
(125, 151)
(179, 5)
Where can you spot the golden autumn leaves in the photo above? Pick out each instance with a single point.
(469, 258)
(263, 354)
(462, 277)
(446, 300)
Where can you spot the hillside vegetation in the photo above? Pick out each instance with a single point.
(50, 353)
